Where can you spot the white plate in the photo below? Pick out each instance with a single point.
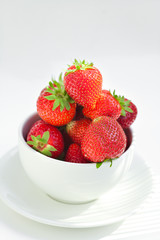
(18, 192)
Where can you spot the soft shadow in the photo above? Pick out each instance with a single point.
(27, 227)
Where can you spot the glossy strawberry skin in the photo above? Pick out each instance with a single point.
(54, 117)
(106, 105)
(84, 86)
(55, 138)
(77, 128)
(74, 154)
(104, 139)
(126, 121)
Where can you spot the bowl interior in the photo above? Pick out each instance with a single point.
(129, 136)
(35, 117)
(28, 124)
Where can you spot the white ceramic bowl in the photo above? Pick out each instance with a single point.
(71, 182)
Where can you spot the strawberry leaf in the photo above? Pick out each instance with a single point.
(71, 100)
(98, 164)
(51, 148)
(57, 84)
(45, 137)
(123, 103)
(33, 138)
(70, 71)
(127, 103)
(61, 108)
(30, 142)
(56, 104)
(62, 104)
(123, 112)
(61, 79)
(41, 144)
(46, 152)
(58, 94)
(38, 137)
(51, 85)
(111, 162)
(128, 109)
(80, 65)
(49, 90)
(67, 105)
(51, 97)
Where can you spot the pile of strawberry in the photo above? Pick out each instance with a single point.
(80, 122)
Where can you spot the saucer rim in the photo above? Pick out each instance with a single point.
(64, 224)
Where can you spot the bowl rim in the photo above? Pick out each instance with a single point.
(46, 158)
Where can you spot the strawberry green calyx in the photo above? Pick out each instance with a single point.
(58, 94)
(41, 144)
(98, 164)
(80, 65)
(123, 103)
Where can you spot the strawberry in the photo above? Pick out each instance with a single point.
(104, 139)
(127, 120)
(46, 139)
(74, 154)
(54, 105)
(83, 83)
(108, 105)
(77, 129)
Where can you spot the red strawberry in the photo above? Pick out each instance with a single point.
(127, 120)
(74, 154)
(54, 105)
(108, 105)
(77, 129)
(83, 83)
(46, 139)
(104, 139)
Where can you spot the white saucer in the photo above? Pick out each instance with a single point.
(18, 192)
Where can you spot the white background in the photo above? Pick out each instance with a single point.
(37, 41)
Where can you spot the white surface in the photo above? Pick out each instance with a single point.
(39, 38)
(112, 207)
